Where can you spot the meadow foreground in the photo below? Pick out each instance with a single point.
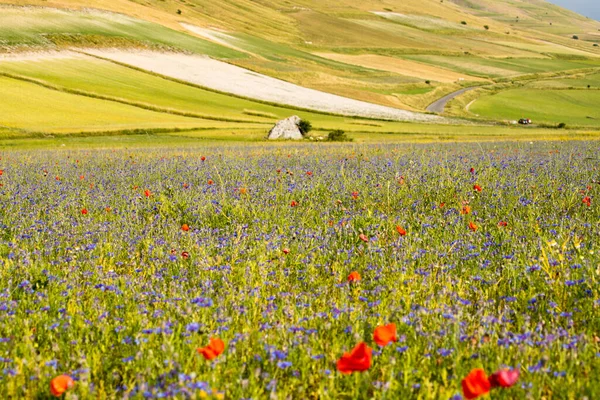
(249, 271)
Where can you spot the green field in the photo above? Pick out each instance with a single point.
(578, 82)
(81, 96)
(573, 107)
(108, 96)
(78, 97)
(502, 68)
(34, 108)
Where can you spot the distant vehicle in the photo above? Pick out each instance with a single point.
(525, 121)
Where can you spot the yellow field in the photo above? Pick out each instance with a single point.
(402, 67)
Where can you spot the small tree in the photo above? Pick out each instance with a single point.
(575, 37)
(562, 125)
(304, 126)
(338, 136)
(487, 27)
(179, 12)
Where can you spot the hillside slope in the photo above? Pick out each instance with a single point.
(396, 53)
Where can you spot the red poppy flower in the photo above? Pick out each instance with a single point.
(472, 170)
(442, 205)
(210, 182)
(186, 186)
(358, 360)
(502, 223)
(309, 173)
(185, 227)
(286, 251)
(401, 231)
(401, 181)
(203, 158)
(84, 211)
(294, 203)
(243, 190)
(215, 347)
(465, 210)
(385, 335)
(476, 384)
(473, 227)
(363, 237)
(504, 378)
(147, 193)
(1, 172)
(185, 255)
(81, 177)
(355, 195)
(108, 209)
(477, 188)
(354, 277)
(61, 384)
(587, 201)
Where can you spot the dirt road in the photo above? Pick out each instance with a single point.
(440, 105)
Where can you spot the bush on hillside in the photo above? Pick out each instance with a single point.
(304, 126)
(338, 136)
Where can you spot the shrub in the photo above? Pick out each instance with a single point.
(179, 12)
(487, 27)
(428, 82)
(463, 22)
(562, 125)
(338, 136)
(575, 37)
(304, 126)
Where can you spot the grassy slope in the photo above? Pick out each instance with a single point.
(31, 107)
(101, 78)
(573, 107)
(34, 108)
(31, 27)
(282, 43)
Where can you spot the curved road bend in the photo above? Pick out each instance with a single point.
(440, 105)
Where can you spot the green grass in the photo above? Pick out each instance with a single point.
(37, 109)
(501, 68)
(593, 80)
(106, 80)
(109, 80)
(42, 27)
(573, 107)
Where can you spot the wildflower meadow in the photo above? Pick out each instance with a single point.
(301, 271)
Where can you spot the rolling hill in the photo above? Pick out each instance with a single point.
(396, 54)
